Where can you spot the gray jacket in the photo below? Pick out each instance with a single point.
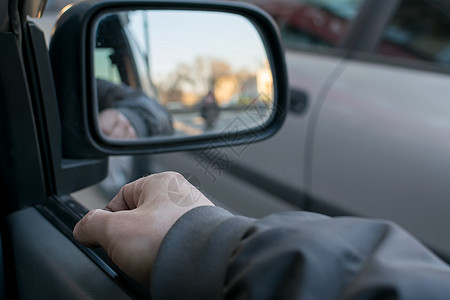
(212, 254)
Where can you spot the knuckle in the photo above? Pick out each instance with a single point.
(172, 174)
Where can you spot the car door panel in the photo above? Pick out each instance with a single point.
(382, 149)
(49, 266)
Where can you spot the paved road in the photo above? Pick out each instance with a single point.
(192, 124)
(91, 197)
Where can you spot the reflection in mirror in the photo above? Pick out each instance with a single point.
(180, 73)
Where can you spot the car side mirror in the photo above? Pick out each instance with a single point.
(141, 77)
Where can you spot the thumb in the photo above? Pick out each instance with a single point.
(90, 230)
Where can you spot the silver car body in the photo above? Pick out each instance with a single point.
(373, 141)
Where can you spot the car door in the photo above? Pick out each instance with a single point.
(381, 144)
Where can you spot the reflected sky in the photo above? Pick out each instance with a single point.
(181, 36)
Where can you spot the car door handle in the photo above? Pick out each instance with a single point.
(299, 101)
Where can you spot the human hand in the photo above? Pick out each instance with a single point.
(115, 125)
(132, 226)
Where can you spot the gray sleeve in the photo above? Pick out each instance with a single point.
(211, 254)
(136, 120)
(193, 257)
(147, 116)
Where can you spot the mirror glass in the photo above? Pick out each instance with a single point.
(179, 73)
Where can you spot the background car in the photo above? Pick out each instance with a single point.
(367, 133)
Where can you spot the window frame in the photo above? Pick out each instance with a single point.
(369, 53)
(369, 22)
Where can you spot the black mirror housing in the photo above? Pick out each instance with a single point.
(72, 64)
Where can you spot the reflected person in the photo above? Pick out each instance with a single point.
(209, 110)
(126, 113)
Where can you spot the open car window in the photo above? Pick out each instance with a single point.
(422, 39)
(312, 24)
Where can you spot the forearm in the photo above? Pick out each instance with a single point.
(211, 254)
(193, 258)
